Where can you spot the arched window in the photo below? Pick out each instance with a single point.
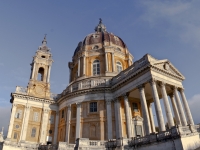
(33, 132)
(40, 74)
(119, 67)
(96, 67)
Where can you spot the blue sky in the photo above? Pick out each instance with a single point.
(165, 29)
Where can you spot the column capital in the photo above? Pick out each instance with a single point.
(152, 81)
(27, 106)
(141, 86)
(78, 105)
(171, 95)
(108, 101)
(126, 94)
(57, 113)
(69, 107)
(116, 99)
(14, 105)
(181, 89)
(162, 84)
(46, 110)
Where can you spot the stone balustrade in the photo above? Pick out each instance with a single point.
(173, 133)
(85, 84)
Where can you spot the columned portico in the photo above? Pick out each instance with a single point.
(187, 109)
(127, 115)
(144, 110)
(159, 113)
(68, 123)
(109, 118)
(167, 106)
(78, 120)
(180, 108)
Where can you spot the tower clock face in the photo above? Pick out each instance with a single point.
(39, 89)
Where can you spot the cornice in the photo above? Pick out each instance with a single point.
(31, 98)
(163, 72)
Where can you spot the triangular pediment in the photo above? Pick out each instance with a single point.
(167, 67)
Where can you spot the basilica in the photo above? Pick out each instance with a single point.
(107, 104)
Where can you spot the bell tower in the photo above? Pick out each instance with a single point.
(39, 85)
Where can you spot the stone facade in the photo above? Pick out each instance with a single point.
(107, 103)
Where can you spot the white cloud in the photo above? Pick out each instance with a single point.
(182, 18)
(194, 104)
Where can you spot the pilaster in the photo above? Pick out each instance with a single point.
(109, 118)
(78, 120)
(12, 118)
(43, 133)
(25, 123)
(68, 123)
(56, 128)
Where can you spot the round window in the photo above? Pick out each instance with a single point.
(17, 126)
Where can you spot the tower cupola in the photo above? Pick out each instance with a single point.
(39, 84)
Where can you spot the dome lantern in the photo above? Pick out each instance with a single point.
(100, 27)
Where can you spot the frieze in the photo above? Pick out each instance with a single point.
(26, 97)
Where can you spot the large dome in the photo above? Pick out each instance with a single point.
(100, 36)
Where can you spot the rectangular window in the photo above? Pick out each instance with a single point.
(135, 107)
(93, 107)
(15, 135)
(36, 116)
(18, 115)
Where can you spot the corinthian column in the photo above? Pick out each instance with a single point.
(127, 115)
(178, 121)
(109, 118)
(151, 118)
(12, 118)
(78, 120)
(187, 109)
(180, 108)
(167, 106)
(68, 123)
(145, 112)
(159, 113)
